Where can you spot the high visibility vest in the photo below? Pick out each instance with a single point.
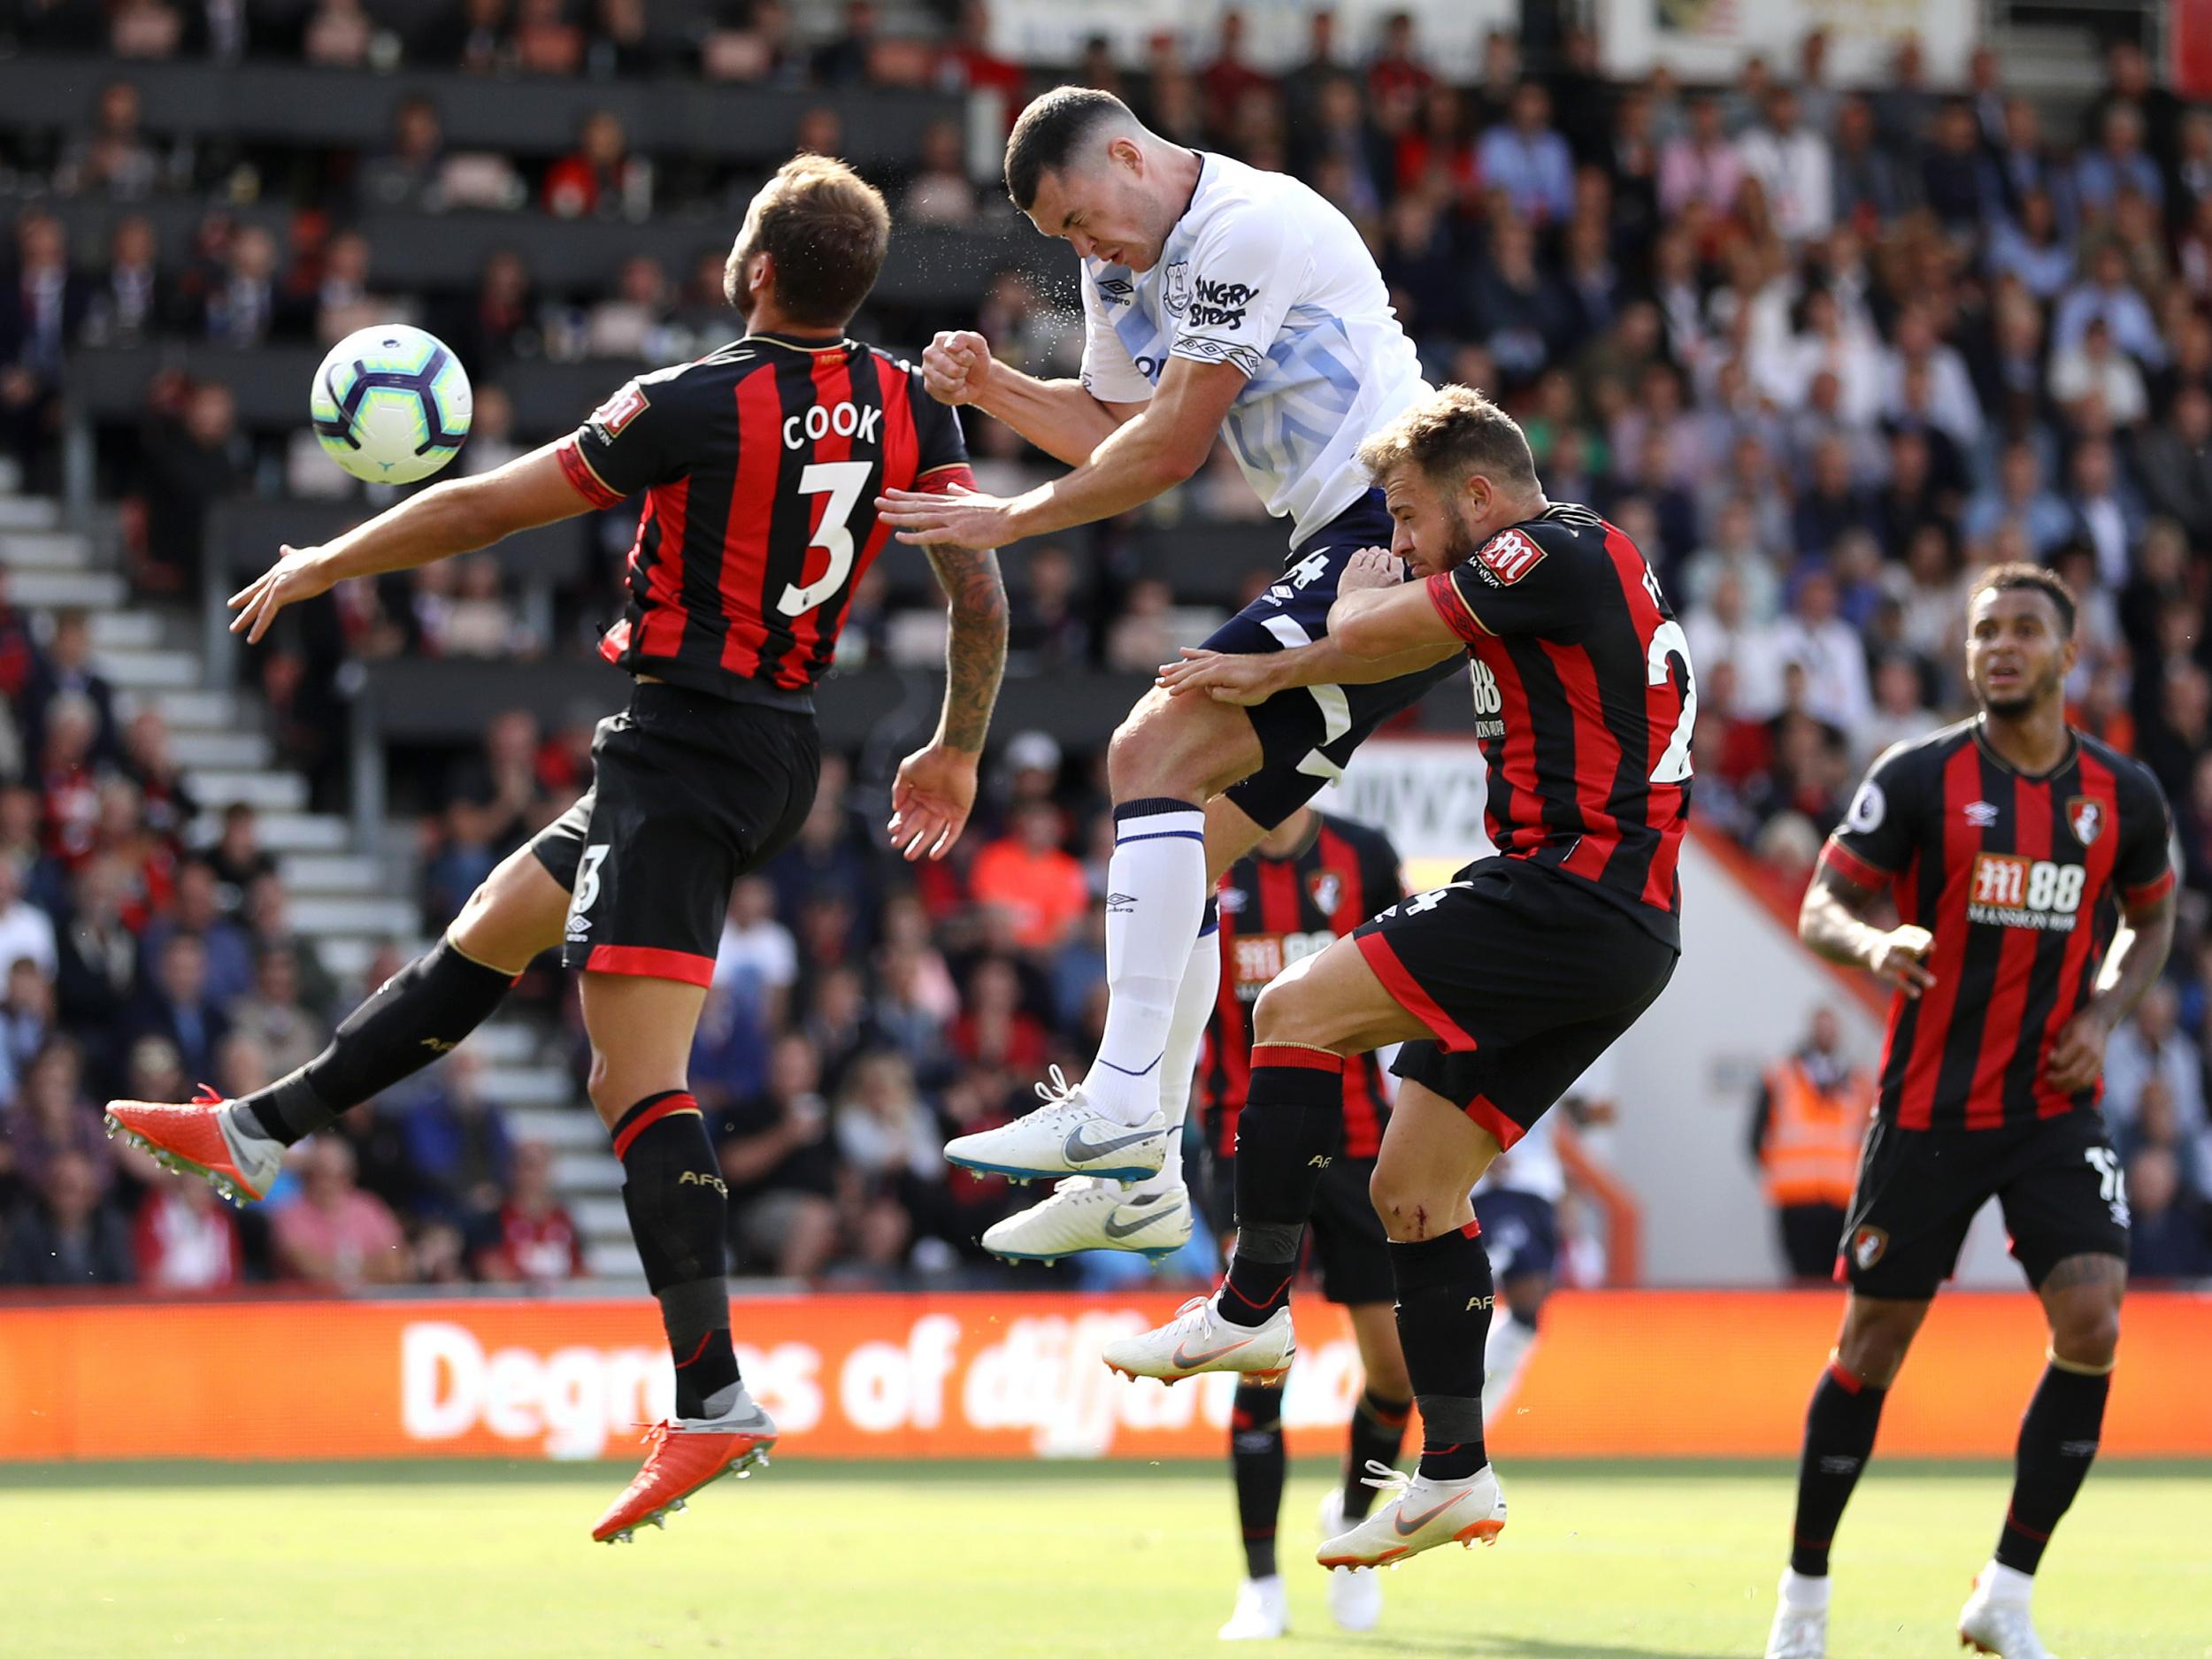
(1812, 1143)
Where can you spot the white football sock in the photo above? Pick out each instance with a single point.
(1185, 1034)
(2007, 1584)
(1504, 1357)
(1155, 891)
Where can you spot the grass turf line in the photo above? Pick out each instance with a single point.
(826, 1561)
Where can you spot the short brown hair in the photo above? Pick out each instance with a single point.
(1451, 435)
(827, 230)
(2017, 577)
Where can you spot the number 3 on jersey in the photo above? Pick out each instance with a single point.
(842, 481)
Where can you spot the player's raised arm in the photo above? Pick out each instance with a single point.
(936, 787)
(1140, 458)
(457, 516)
(1064, 418)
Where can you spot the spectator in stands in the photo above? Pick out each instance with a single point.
(195, 911)
(289, 1034)
(27, 1022)
(1816, 639)
(69, 1238)
(42, 307)
(2019, 497)
(2107, 511)
(601, 176)
(473, 38)
(338, 36)
(2117, 165)
(333, 1233)
(2150, 1049)
(2170, 1230)
(1793, 166)
(238, 858)
(994, 1031)
(633, 322)
(2174, 462)
(175, 1005)
(535, 1240)
(183, 1238)
(757, 958)
(1527, 159)
(27, 931)
(458, 1152)
(1032, 880)
(546, 42)
(2107, 294)
(940, 192)
(782, 1168)
(71, 777)
(113, 159)
(51, 1119)
(407, 174)
(1901, 715)
(165, 799)
(98, 977)
(186, 463)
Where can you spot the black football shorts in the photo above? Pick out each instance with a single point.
(2058, 1179)
(1308, 732)
(1345, 1239)
(1523, 977)
(689, 791)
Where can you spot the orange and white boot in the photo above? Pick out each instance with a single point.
(1419, 1514)
(205, 1138)
(686, 1455)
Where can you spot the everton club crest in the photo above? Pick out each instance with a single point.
(1176, 296)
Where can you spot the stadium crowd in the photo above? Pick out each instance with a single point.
(1824, 352)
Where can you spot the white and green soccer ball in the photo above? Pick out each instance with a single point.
(391, 404)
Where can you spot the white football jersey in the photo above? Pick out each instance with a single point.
(1263, 273)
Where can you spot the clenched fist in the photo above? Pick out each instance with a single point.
(956, 366)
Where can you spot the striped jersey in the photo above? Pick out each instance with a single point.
(1275, 911)
(1262, 271)
(2023, 882)
(760, 465)
(1583, 705)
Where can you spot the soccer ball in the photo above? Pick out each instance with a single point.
(391, 404)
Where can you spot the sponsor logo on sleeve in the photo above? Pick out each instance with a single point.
(1508, 557)
(1221, 304)
(619, 410)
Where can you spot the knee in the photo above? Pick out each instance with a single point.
(1411, 1204)
(1873, 1350)
(1161, 751)
(1285, 1012)
(2090, 1338)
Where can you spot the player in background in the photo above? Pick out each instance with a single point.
(1504, 985)
(1517, 1205)
(759, 463)
(2035, 892)
(1220, 302)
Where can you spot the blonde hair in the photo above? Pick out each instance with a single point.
(1449, 436)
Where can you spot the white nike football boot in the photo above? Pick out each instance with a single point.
(1262, 1611)
(1198, 1339)
(1800, 1620)
(1995, 1620)
(1355, 1595)
(1085, 1213)
(1418, 1514)
(1067, 1135)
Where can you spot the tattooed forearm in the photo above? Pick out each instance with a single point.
(2137, 958)
(975, 653)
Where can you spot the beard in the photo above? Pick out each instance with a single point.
(1459, 543)
(2022, 702)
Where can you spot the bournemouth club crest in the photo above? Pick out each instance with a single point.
(1867, 1245)
(1325, 887)
(2084, 816)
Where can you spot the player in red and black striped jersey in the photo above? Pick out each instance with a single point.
(759, 464)
(2029, 868)
(1503, 985)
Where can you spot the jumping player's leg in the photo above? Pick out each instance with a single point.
(1386, 1403)
(419, 1014)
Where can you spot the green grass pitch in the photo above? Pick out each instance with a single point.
(825, 1561)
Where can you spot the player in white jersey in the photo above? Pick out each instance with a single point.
(1220, 302)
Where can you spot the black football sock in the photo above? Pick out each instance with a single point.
(1838, 1439)
(1444, 1294)
(421, 1012)
(1288, 1130)
(1379, 1432)
(673, 1189)
(1257, 1459)
(2058, 1442)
